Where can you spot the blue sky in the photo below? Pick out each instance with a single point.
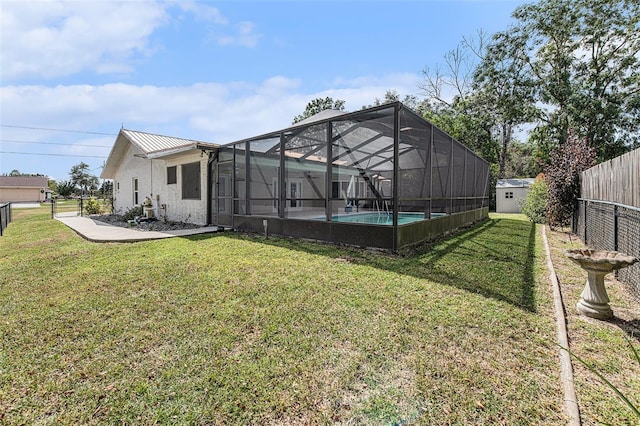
(204, 70)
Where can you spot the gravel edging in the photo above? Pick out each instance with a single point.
(157, 226)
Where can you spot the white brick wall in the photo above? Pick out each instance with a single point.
(152, 183)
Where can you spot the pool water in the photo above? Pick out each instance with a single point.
(378, 218)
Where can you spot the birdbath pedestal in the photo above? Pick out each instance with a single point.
(594, 301)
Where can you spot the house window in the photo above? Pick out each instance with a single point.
(135, 191)
(172, 175)
(508, 194)
(191, 181)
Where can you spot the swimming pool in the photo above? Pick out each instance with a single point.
(378, 218)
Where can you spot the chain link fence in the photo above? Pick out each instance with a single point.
(605, 225)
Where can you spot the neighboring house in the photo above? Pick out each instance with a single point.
(172, 172)
(510, 193)
(23, 188)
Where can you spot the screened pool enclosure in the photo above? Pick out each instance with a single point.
(381, 177)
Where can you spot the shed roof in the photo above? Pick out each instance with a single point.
(150, 145)
(515, 183)
(24, 181)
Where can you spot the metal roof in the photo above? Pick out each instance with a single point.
(150, 145)
(148, 142)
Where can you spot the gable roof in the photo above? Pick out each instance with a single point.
(515, 183)
(24, 181)
(150, 145)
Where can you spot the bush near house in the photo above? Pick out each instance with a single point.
(563, 177)
(93, 206)
(133, 212)
(535, 203)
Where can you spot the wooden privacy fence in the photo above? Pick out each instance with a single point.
(607, 216)
(616, 180)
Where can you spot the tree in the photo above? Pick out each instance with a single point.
(452, 102)
(64, 188)
(521, 161)
(318, 105)
(567, 161)
(504, 89)
(106, 189)
(410, 101)
(607, 76)
(454, 105)
(82, 178)
(583, 56)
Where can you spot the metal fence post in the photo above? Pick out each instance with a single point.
(586, 207)
(615, 227)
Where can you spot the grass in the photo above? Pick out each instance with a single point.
(72, 205)
(237, 329)
(602, 344)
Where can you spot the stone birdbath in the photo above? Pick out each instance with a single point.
(594, 301)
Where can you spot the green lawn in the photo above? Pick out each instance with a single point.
(603, 344)
(236, 329)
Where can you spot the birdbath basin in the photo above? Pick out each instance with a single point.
(594, 301)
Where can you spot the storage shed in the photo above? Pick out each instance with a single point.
(510, 193)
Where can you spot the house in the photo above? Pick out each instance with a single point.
(171, 172)
(380, 177)
(24, 188)
(510, 194)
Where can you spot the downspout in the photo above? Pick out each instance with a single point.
(151, 181)
(151, 175)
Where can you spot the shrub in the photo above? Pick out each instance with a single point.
(563, 177)
(93, 206)
(64, 188)
(131, 213)
(534, 205)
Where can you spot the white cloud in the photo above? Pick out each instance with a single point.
(207, 111)
(364, 90)
(202, 11)
(211, 112)
(245, 36)
(49, 39)
(52, 39)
